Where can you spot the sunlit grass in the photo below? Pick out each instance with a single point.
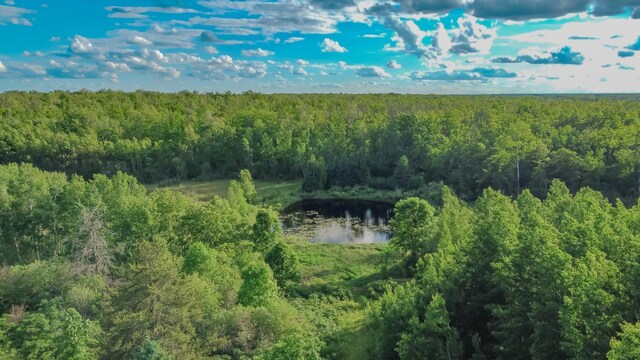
(271, 192)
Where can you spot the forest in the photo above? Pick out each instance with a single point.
(517, 235)
(469, 143)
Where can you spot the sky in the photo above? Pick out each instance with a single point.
(310, 46)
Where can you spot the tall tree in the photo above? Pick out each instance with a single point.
(413, 227)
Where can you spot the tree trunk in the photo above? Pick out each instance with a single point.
(517, 175)
(15, 242)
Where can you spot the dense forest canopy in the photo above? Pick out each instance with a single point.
(542, 262)
(467, 142)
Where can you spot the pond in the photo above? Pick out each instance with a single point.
(339, 221)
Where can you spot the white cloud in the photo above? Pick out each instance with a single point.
(81, 45)
(54, 39)
(2, 67)
(293, 39)
(393, 65)
(329, 45)
(471, 37)
(257, 52)
(374, 36)
(14, 15)
(372, 71)
(300, 71)
(440, 41)
(210, 50)
(302, 62)
(33, 54)
(140, 12)
(272, 17)
(21, 21)
(139, 40)
(598, 39)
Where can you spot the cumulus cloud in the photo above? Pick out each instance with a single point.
(409, 38)
(300, 71)
(393, 65)
(332, 4)
(546, 9)
(372, 71)
(270, 17)
(33, 53)
(564, 56)
(2, 67)
(257, 52)
(225, 67)
(210, 50)
(526, 9)
(302, 62)
(328, 45)
(494, 73)
(612, 7)
(208, 36)
(139, 40)
(477, 74)
(81, 45)
(429, 6)
(471, 37)
(444, 75)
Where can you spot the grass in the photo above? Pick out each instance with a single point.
(344, 270)
(279, 193)
(336, 282)
(271, 192)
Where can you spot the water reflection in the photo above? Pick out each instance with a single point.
(339, 221)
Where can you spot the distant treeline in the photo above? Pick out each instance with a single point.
(383, 141)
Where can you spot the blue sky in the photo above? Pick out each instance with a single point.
(362, 46)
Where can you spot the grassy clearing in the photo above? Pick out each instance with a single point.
(337, 280)
(345, 270)
(276, 193)
(280, 194)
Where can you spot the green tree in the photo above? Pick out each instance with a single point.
(7, 351)
(402, 172)
(258, 286)
(55, 333)
(390, 317)
(413, 227)
(150, 350)
(266, 230)
(433, 337)
(283, 263)
(217, 267)
(626, 345)
(155, 301)
(247, 185)
(588, 317)
(314, 175)
(294, 346)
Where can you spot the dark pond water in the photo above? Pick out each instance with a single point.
(339, 221)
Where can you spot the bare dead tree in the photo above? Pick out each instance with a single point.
(93, 253)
